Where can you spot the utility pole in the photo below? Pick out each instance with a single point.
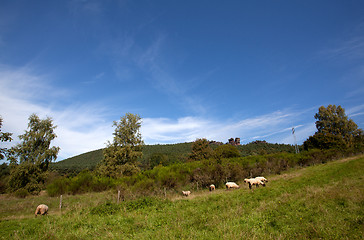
(295, 141)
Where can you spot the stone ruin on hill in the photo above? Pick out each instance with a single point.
(235, 142)
(232, 141)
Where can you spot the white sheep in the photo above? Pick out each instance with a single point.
(42, 209)
(254, 181)
(231, 185)
(212, 187)
(186, 193)
(263, 179)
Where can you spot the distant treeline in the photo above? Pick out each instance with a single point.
(154, 155)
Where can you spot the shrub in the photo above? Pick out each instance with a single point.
(226, 151)
(81, 183)
(144, 186)
(102, 183)
(26, 176)
(158, 159)
(58, 186)
(21, 193)
(200, 150)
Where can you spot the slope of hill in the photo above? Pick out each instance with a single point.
(165, 154)
(78, 163)
(324, 201)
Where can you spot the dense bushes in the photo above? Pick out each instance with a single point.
(176, 177)
(82, 183)
(26, 176)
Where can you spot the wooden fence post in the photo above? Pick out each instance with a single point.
(60, 204)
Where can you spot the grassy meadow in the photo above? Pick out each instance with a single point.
(324, 201)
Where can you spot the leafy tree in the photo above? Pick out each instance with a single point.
(201, 150)
(158, 159)
(334, 130)
(4, 137)
(31, 157)
(120, 156)
(226, 151)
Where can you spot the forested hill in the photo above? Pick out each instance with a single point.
(164, 154)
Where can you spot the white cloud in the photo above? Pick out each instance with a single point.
(302, 132)
(355, 111)
(80, 128)
(351, 48)
(163, 130)
(86, 127)
(275, 126)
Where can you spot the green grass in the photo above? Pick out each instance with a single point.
(318, 202)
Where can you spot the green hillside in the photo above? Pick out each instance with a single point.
(323, 201)
(163, 154)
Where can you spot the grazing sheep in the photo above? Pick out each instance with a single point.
(263, 179)
(254, 181)
(212, 187)
(41, 209)
(231, 185)
(186, 193)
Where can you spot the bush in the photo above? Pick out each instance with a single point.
(81, 183)
(226, 151)
(21, 193)
(325, 141)
(102, 184)
(58, 187)
(158, 159)
(26, 176)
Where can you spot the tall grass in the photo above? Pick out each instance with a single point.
(318, 202)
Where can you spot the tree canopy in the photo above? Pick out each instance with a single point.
(200, 150)
(30, 158)
(4, 137)
(334, 130)
(120, 156)
(35, 147)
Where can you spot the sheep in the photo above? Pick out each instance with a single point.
(186, 193)
(254, 181)
(212, 187)
(42, 209)
(263, 179)
(231, 185)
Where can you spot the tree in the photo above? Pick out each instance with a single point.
(226, 151)
(120, 156)
(31, 157)
(200, 150)
(158, 159)
(4, 137)
(334, 130)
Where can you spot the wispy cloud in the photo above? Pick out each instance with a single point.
(81, 6)
(272, 126)
(80, 127)
(145, 64)
(355, 111)
(86, 127)
(350, 49)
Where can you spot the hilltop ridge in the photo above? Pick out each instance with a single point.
(166, 154)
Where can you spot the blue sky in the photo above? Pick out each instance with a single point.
(190, 69)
